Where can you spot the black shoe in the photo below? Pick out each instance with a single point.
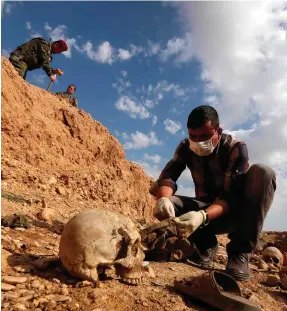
(237, 266)
(204, 259)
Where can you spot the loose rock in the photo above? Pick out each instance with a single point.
(46, 214)
(272, 280)
(19, 306)
(61, 190)
(14, 279)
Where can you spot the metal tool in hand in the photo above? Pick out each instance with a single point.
(58, 72)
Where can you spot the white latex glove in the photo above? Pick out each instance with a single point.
(163, 209)
(187, 223)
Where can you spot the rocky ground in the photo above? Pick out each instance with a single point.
(58, 161)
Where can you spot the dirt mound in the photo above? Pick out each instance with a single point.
(50, 148)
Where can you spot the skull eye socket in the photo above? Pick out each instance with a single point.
(275, 260)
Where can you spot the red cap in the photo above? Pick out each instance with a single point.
(62, 44)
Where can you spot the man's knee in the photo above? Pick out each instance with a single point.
(260, 170)
(262, 173)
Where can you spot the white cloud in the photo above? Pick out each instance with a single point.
(35, 34)
(155, 158)
(139, 140)
(154, 120)
(6, 8)
(60, 32)
(152, 49)
(151, 170)
(104, 53)
(28, 26)
(179, 47)
(185, 190)
(148, 103)
(124, 54)
(172, 126)
(47, 27)
(121, 85)
(164, 87)
(131, 108)
(5, 53)
(124, 73)
(243, 53)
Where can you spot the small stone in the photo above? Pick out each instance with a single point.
(99, 284)
(18, 269)
(64, 291)
(84, 284)
(52, 181)
(6, 287)
(171, 268)
(36, 244)
(19, 306)
(60, 190)
(254, 299)
(54, 280)
(57, 298)
(46, 214)
(35, 284)
(272, 280)
(20, 229)
(14, 279)
(25, 298)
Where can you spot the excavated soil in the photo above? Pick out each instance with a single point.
(56, 158)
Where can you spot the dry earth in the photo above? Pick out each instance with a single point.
(57, 161)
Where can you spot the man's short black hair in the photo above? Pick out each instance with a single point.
(201, 115)
(73, 86)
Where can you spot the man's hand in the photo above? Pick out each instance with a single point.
(187, 223)
(58, 72)
(163, 209)
(53, 78)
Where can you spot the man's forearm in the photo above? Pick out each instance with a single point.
(164, 191)
(217, 209)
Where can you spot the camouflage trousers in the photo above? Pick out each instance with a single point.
(19, 64)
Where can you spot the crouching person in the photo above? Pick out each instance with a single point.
(229, 198)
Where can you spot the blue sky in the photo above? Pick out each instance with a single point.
(141, 67)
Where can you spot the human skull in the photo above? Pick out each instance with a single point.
(273, 257)
(100, 239)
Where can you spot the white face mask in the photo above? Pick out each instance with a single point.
(202, 148)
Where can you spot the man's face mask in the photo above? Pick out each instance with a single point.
(203, 148)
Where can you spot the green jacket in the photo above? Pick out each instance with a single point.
(72, 100)
(36, 54)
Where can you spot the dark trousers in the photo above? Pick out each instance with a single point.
(245, 219)
(19, 64)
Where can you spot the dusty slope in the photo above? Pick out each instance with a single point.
(47, 143)
(57, 156)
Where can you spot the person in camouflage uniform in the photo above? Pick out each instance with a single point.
(229, 198)
(36, 54)
(69, 95)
